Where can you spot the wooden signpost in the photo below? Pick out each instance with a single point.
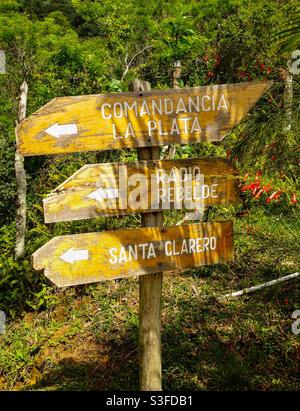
(108, 189)
(144, 119)
(137, 119)
(91, 257)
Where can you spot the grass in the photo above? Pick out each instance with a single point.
(87, 339)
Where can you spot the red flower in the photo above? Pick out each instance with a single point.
(271, 196)
(246, 176)
(259, 193)
(257, 175)
(294, 198)
(206, 58)
(252, 186)
(267, 188)
(218, 62)
(273, 158)
(277, 195)
(255, 188)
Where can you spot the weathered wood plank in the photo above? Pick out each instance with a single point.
(84, 194)
(92, 257)
(137, 119)
(150, 292)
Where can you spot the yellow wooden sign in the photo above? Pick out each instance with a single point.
(137, 119)
(146, 186)
(91, 257)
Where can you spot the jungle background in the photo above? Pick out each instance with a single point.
(86, 338)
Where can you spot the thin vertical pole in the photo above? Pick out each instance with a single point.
(150, 288)
(21, 183)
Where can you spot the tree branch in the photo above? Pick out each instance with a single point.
(131, 60)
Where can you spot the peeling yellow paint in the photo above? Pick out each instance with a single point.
(70, 202)
(96, 132)
(102, 264)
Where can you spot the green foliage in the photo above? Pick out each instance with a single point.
(288, 35)
(39, 9)
(77, 47)
(87, 47)
(7, 181)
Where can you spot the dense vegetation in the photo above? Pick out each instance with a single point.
(75, 47)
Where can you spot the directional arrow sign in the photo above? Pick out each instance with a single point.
(125, 253)
(58, 131)
(149, 118)
(103, 193)
(72, 255)
(144, 186)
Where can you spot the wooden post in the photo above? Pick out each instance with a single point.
(176, 76)
(150, 294)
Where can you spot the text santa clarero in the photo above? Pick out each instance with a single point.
(147, 251)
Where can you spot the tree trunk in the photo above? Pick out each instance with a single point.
(288, 97)
(21, 183)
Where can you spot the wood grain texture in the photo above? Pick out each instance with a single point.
(150, 292)
(215, 110)
(70, 200)
(170, 249)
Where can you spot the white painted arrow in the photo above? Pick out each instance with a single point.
(75, 255)
(101, 193)
(57, 130)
